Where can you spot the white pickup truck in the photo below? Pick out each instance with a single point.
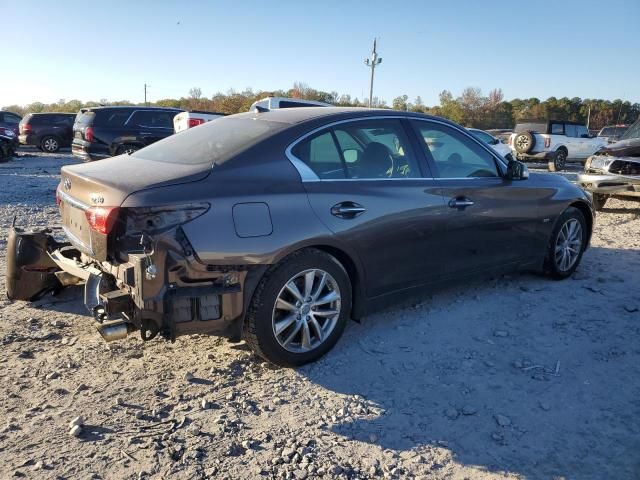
(186, 120)
(553, 141)
(272, 103)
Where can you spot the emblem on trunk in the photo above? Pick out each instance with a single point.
(67, 184)
(97, 199)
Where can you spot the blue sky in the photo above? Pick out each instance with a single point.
(93, 50)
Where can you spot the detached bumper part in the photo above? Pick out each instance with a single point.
(610, 184)
(31, 273)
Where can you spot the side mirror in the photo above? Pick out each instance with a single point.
(585, 135)
(495, 141)
(517, 170)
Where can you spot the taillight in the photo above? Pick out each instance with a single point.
(88, 134)
(26, 128)
(194, 122)
(547, 142)
(102, 219)
(58, 199)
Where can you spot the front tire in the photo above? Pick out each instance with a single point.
(50, 144)
(567, 244)
(299, 309)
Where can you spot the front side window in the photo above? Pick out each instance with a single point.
(581, 131)
(454, 154)
(368, 149)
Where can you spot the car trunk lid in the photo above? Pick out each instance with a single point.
(96, 188)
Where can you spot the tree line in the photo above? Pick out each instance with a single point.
(471, 108)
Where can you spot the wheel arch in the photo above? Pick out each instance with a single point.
(346, 259)
(588, 217)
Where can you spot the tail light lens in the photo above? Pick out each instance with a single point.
(88, 134)
(102, 219)
(157, 219)
(547, 142)
(194, 122)
(26, 128)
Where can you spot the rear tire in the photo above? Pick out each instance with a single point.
(290, 327)
(566, 245)
(559, 161)
(50, 144)
(599, 200)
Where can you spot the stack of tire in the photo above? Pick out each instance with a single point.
(524, 143)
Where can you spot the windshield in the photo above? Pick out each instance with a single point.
(633, 132)
(214, 141)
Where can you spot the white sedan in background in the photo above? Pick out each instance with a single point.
(495, 143)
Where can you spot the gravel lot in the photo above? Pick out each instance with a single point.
(515, 377)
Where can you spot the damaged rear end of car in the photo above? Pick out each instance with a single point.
(123, 220)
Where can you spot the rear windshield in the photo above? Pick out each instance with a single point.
(633, 132)
(537, 127)
(26, 119)
(216, 140)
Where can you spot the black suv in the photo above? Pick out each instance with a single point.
(100, 132)
(47, 131)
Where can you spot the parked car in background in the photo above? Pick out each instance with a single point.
(268, 226)
(47, 131)
(614, 171)
(612, 133)
(10, 120)
(185, 120)
(494, 142)
(554, 141)
(8, 143)
(100, 132)
(273, 103)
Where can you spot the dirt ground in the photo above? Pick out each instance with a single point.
(516, 377)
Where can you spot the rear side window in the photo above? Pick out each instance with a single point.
(321, 154)
(152, 119)
(557, 129)
(570, 131)
(371, 149)
(537, 127)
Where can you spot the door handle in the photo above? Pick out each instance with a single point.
(460, 203)
(347, 210)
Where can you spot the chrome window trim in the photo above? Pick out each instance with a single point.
(308, 175)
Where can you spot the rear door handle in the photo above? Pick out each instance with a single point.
(460, 203)
(347, 210)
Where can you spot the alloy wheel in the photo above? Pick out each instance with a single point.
(561, 160)
(568, 244)
(306, 310)
(50, 145)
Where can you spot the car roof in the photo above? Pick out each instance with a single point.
(52, 113)
(131, 107)
(297, 115)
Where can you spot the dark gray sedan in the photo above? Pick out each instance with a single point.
(277, 227)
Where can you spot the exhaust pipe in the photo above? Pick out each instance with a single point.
(115, 330)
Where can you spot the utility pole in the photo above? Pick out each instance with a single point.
(145, 94)
(372, 63)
